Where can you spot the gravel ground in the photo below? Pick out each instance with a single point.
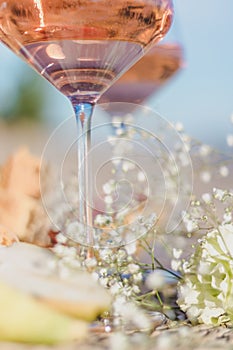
(181, 337)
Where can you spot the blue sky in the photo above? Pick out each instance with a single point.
(200, 96)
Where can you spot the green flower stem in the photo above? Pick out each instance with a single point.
(153, 306)
(148, 294)
(159, 299)
(150, 252)
(143, 265)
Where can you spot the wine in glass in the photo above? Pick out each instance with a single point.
(82, 47)
(161, 63)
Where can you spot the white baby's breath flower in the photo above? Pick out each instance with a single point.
(184, 159)
(118, 341)
(205, 176)
(133, 268)
(131, 244)
(189, 223)
(224, 171)
(117, 121)
(137, 278)
(106, 255)
(131, 248)
(176, 264)
(59, 249)
(204, 150)
(104, 282)
(90, 262)
(108, 199)
(141, 176)
(64, 251)
(121, 255)
(179, 126)
(103, 220)
(206, 292)
(155, 280)
(115, 288)
(107, 188)
(134, 317)
(219, 194)
(60, 238)
(136, 289)
(73, 228)
(164, 342)
(127, 165)
(227, 217)
(120, 131)
(207, 197)
(230, 140)
(177, 253)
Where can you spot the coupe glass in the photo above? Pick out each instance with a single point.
(82, 47)
(151, 73)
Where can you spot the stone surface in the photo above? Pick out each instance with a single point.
(182, 337)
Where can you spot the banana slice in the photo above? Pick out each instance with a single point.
(27, 268)
(25, 319)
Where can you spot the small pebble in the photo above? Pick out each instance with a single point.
(158, 319)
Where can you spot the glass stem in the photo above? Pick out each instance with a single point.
(83, 113)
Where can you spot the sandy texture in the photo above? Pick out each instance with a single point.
(181, 337)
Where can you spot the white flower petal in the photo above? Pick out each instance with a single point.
(209, 314)
(155, 280)
(227, 235)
